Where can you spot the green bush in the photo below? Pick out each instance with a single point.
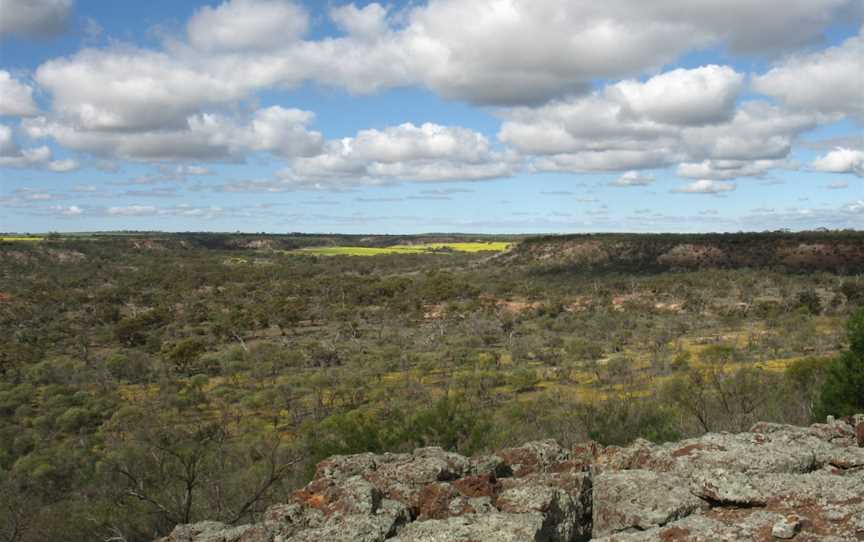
(843, 391)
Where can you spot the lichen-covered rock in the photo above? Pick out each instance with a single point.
(538, 456)
(775, 482)
(563, 498)
(640, 499)
(381, 525)
(495, 527)
(725, 488)
(214, 531)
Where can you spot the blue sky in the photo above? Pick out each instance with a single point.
(487, 116)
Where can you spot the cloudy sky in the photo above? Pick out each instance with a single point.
(436, 115)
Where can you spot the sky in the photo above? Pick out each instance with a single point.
(485, 116)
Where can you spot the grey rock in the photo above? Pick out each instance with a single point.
(786, 528)
(723, 487)
(495, 527)
(538, 456)
(640, 499)
(773, 482)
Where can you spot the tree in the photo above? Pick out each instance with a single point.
(178, 470)
(843, 391)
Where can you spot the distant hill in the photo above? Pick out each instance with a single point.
(840, 252)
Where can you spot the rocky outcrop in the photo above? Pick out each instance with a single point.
(775, 482)
(837, 252)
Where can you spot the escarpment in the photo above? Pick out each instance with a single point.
(796, 252)
(775, 482)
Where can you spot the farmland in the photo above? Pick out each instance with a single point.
(129, 356)
(491, 246)
(20, 239)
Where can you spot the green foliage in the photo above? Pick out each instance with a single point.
(523, 379)
(717, 354)
(211, 347)
(843, 391)
(853, 290)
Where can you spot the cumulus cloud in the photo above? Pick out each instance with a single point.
(703, 95)
(564, 45)
(129, 89)
(11, 155)
(705, 186)
(429, 152)
(829, 81)
(730, 169)
(841, 160)
(63, 166)
(132, 210)
(449, 46)
(238, 25)
(65, 210)
(16, 98)
(604, 131)
(34, 18)
(192, 99)
(632, 178)
(204, 137)
(369, 22)
(282, 131)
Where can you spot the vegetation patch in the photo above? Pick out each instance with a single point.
(21, 238)
(470, 247)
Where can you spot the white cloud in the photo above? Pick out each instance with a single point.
(706, 186)
(204, 137)
(369, 22)
(16, 98)
(34, 18)
(29, 194)
(703, 95)
(409, 142)
(632, 178)
(132, 210)
(841, 160)
(63, 166)
(11, 155)
(192, 100)
(128, 89)
(429, 152)
(196, 143)
(282, 131)
(838, 185)
(66, 210)
(603, 160)
(193, 170)
(730, 169)
(565, 44)
(452, 47)
(830, 81)
(238, 25)
(8, 147)
(597, 132)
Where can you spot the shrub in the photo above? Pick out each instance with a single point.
(842, 393)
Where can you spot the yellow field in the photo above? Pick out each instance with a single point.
(21, 238)
(492, 246)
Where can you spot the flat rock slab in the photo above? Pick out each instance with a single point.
(640, 499)
(497, 527)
